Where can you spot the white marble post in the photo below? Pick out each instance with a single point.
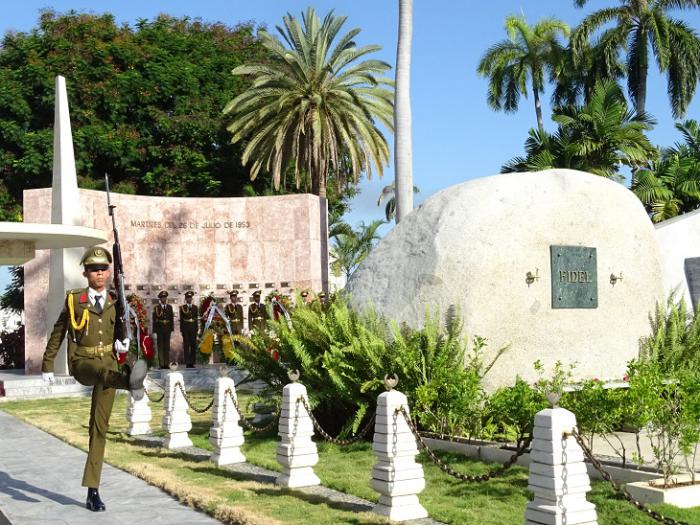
(396, 475)
(558, 475)
(296, 452)
(176, 419)
(139, 415)
(225, 434)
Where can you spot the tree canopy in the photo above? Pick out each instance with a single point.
(145, 104)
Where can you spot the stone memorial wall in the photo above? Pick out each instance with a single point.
(201, 244)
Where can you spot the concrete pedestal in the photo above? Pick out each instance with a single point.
(396, 475)
(176, 419)
(296, 452)
(558, 475)
(139, 415)
(225, 434)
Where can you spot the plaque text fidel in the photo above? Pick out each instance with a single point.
(574, 277)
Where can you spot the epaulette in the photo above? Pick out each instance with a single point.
(113, 293)
(75, 290)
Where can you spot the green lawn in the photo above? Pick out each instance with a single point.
(236, 499)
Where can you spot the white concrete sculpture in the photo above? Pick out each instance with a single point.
(296, 452)
(139, 415)
(396, 475)
(64, 266)
(558, 475)
(225, 434)
(176, 419)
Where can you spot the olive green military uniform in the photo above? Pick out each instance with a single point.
(163, 325)
(92, 363)
(234, 312)
(257, 314)
(189, 317)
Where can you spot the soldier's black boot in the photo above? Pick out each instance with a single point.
(94, 503)
(136, 379)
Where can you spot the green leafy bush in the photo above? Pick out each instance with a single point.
(599, 410)
(510, 411)
(674, 341)
(343, 356)
(669, 409)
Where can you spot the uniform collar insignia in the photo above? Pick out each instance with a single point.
(84, 296)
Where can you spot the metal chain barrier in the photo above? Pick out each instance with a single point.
(620, 490)
(245, 422)
(446, 468)
(162, 396)
(330, 438)
(189, 403)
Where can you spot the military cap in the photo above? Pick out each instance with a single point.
(321, 294)
(256, 293)
(189, 293)
(162, 294)
(304, 293)
(96, 256)
(234, 293)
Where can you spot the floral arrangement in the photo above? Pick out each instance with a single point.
(145, 342)
(216, 332)
(279, 299)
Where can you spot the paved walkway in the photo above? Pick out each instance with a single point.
(40, 479)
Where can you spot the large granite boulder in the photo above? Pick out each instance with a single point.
(473, 244)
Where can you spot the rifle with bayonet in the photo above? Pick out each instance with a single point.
(123, 330)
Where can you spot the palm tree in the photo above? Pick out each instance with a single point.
(578, 73)
(597, 137)
(671, 186)
(313, 107)
(644, 27)
(403, 148)
(524, 58)
(389, 194)
(351, 248)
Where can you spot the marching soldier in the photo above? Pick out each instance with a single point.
(234, 312)
(257, 314)
(89, 318)
(189, 327)
(163, 325)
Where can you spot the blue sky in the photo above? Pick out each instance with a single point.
(456, 137)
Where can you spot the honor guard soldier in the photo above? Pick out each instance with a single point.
(163, 326)
(89, 317)
(189, 320)
(257, 314)
(305, 297)
(234, 312)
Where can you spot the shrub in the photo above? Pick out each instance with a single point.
(674, 341)
(343, 356)
(511, 410)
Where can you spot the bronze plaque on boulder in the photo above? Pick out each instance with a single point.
(574, 277)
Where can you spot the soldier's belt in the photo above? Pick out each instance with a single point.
(189, 321)
(92, 350)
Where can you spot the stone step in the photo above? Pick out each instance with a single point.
(33, 387)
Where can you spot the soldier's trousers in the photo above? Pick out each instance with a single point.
(189, 343)
(102, 373)
(163, 341)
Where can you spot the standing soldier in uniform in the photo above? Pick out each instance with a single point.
(257, 314)
(234, 312)
(189, 320)
(163, 326)
(89, 318)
